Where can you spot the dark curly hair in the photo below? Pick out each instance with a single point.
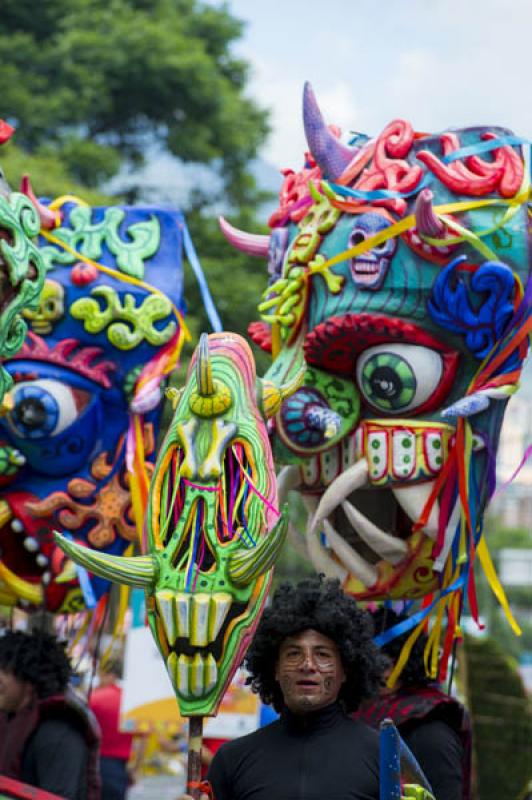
(320, 604)
(413, 672)
(36, 658)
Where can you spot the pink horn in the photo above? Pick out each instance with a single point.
(254, 244)
(426, 220)
(49, 219)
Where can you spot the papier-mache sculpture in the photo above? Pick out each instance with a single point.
(396, 268)
(213, 530)
(86, 399)
(21, 275)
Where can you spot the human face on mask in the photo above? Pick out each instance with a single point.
(309, 671)
(14, 693)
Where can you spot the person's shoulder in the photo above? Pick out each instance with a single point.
(361, 730)
(249, 740)
(57, 730)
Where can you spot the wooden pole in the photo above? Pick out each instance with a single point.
(195, 736)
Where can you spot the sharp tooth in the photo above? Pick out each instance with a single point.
(17, 526)
(220, 605)
(197, 683)
(68, 573)
(355, 564)
(211, 673)
(389, 547)
(413, 499)
(199, 634)
(5, 513)
(288, 478)
(165, 600)
(353, 478)
(321, 559)
(183, 663)
(182, 606)
(30, 544)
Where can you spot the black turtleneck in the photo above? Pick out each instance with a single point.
(320, 755)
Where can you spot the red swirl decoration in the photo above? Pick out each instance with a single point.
(476, 177)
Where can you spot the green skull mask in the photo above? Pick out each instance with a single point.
(212, 528)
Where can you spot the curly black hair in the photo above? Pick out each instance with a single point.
(319, 604)
(413, 672)
(37, 658)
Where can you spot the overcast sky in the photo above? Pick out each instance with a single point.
(437, 63)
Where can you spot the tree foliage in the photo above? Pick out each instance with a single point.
(94, 80)
(502, 721)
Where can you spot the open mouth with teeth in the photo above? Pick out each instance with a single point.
(214, 569)
(33, 570)
(363, 523)
(369, 273)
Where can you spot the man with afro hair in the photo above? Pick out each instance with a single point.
(48, 738)
(434, 725)
(314, 660)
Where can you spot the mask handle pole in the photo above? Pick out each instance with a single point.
(195, 738)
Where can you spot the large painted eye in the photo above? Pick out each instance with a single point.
(43, 408)
(396, 378)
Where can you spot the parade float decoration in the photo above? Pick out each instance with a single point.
(212, 528)
(21, 276)
(398, 278)
(86, 398)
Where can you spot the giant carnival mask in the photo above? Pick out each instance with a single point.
(396, 270)
(212, 528)
(21, 276)
(86, 393)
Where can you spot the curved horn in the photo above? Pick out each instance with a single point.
(254, 244)
(271, 396)
(24, 590)
(49, 219)
(329, 153)
(138, 571)
(426, 220)
(204, 368)
(245, 565)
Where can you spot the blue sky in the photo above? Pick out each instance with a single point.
(436, 63)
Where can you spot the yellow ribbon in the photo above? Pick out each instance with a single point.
(495, 584)
(410, 222)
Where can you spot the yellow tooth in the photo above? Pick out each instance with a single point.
(182, 676)
(211, 673)
(196, 676)
(5, 513)
(68, 573)
(166, 604)
(182, 603)
(171, 668)
(220, 604)
(31, 592)
(199, 635)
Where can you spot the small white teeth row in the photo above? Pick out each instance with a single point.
(196, 617)
(192, 676)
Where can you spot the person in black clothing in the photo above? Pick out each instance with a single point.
(48, 737)
(434, 725)
(314, 660)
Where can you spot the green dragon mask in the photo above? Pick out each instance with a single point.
(212, 529)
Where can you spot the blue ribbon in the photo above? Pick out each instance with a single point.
(206, 296)
(410, 623)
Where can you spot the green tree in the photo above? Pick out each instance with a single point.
(95, 81)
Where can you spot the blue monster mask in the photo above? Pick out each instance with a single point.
(86, 397)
